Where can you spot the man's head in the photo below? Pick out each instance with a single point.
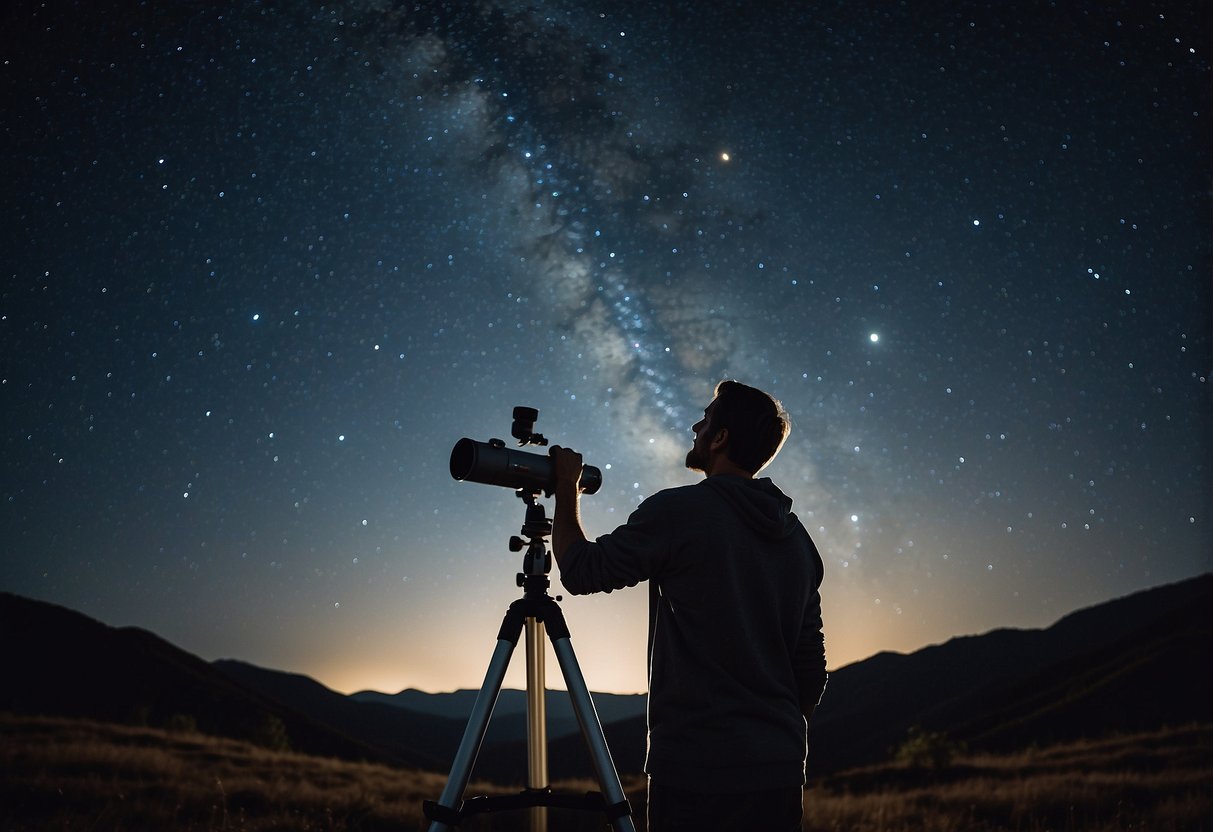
(742, 428)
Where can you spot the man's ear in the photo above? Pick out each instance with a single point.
(720, 440)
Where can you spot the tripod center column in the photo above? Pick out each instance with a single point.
(536, 705)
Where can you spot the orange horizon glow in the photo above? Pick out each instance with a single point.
(460, 672)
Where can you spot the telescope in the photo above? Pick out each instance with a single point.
(492, 463)
(536, 614)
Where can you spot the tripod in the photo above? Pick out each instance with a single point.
(536, 612)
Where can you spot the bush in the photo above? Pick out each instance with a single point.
(271, 734)
(181, 724)
(927, 749)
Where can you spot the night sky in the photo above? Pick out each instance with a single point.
(265, 263)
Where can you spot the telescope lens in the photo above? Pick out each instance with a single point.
(463, 459)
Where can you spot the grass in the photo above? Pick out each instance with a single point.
(1160, 781)
(65, 774)
(61, 774)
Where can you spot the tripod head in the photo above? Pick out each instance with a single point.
(537, 562)
(536, 527)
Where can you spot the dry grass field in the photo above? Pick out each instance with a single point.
(1161, 781)
(63, 774)
(60, 774)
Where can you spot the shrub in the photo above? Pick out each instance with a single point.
(927, 749)
(181, 724)
(271, 734)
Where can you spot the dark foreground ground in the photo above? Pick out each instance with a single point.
(59, 774)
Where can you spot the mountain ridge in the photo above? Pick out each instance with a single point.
(1137, 662)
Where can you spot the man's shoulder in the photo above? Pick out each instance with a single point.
(692, 492)
(676, 498)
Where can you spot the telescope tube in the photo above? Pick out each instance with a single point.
(495, 464)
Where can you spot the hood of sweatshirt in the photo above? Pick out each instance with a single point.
(759, 503)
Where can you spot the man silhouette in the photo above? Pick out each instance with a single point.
(736, 654)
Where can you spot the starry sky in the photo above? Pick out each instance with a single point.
(264, 263)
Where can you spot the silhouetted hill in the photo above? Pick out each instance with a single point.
(425, 740)
(502, 757)
(1136, 663)
(61, 663)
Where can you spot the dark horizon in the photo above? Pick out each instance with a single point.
(1003, 691)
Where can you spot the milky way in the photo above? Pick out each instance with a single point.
(266, 263)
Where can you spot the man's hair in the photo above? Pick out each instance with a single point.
(756, 422)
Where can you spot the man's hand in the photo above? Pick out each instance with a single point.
(567, 465)
(566, 522)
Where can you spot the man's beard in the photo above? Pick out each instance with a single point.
(695, 460)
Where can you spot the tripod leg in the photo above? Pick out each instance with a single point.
(473, 734)
(591, 730)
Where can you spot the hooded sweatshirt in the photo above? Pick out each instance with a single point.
(735, 636)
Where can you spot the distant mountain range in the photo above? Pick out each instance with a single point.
(1139, 662)
(511, 706)
(59, 662)
(1135, 663)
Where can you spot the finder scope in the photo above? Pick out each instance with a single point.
(492, 463)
